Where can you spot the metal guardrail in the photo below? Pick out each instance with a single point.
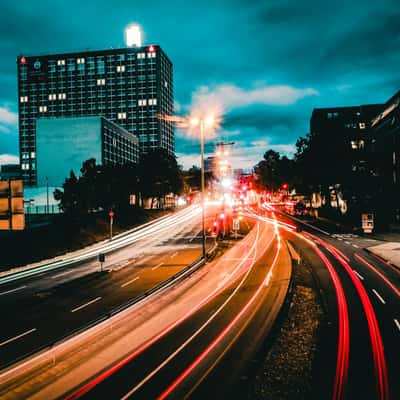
(27, 272)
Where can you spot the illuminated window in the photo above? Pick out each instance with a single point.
(362, 125)
(141, 55)
(24, 99)
(33, 154)
(52, 97)
(80, 61)
(42, 108)
(152, 102)
(357, 144)
(142, 102)
(122, 115)
(61, 96)
(101, 82)
(151, 55)
(120, 68)
(60, 62)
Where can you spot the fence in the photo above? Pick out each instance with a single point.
(42, 209)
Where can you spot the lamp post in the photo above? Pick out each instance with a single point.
(47, 196)
(203, 122)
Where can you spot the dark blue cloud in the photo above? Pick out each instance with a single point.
(345, 51)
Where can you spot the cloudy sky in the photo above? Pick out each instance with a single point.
(263, 64)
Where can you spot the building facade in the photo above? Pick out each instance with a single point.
(132, 87)
(385, 157)
(345, 130)
(10, 171)
(63, 144)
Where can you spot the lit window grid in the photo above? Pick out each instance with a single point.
(104, 101)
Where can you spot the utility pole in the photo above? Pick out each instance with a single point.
(47, 196)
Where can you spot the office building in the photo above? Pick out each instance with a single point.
(63, 144)
(385, 156)
(10, 171)
(131, 87)
(344, 131)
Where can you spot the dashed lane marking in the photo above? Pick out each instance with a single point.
(86, 304)
(129, 282)
(13, 290)
(158, 265)
(381, 299)
(397, 324)
(17, 337)
(360, 276)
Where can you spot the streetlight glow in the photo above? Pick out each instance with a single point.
(194, 121)
(204, 121)
(209, 120)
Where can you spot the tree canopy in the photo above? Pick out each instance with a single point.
(110, 186)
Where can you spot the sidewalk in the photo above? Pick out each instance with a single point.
(389, 252)
(388, 249)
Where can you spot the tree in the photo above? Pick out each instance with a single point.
(70, 199)
(159, 174)
(275, 170)
(100, 187)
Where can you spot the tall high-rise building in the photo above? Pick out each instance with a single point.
(132, 87)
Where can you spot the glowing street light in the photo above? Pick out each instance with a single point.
(204, 122)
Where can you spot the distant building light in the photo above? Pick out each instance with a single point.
(133, 36)
(23, 60)
(152, 49)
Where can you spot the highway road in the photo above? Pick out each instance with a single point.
(40, 309)
(360, 345)
(186, 340)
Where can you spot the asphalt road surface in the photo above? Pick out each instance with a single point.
(39, 310)
(360, 347)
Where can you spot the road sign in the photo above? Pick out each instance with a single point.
(102, 258)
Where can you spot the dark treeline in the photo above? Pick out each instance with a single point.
(110, 187)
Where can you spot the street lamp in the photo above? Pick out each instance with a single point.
(207, 121)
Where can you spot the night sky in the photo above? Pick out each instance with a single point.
(264, 64)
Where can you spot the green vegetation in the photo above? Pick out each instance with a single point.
(110, 187)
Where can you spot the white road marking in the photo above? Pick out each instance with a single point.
(354, 245)
(379, 296)
(129, 282)
(85, 305)
(159, 265)
(362, 278)
(175, 254)
(17, 337)
(397, 324)
(13, 290)
(62, 274)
